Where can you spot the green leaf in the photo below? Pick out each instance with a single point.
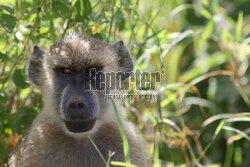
(238, 156)
(87, 8)
(204, 12)
(78, 11)
(180, 8)
(19, 78)
(218, 129)
(82, 10)
(239, 26)
(212, 88)
(2, 151)
(3, 56)
(156, 154)
(178, 39)
(215, 5)
(8, 22)
(226, 36)
(97, 36)
(224, 116)
(237, 131)
(22, 119)
(200, 101)
(60, 9)
(3, 79)
(8, 9)
(73, 2)
(207, 32)
(214, 60)
(3, 99)
(126, 4)
(120, 21)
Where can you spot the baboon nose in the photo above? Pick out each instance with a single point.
(76, 105)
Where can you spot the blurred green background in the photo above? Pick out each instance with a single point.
(201, 114)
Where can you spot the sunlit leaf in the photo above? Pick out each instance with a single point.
(180, 8)
(239, 26)
(219, 127)
(207, 31)
(7, 8)
(116, 163)
(205, 13)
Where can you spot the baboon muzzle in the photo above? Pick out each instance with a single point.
(79, 110)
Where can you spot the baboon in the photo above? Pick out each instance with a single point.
(72, 111)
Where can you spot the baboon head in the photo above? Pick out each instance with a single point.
(64, 71)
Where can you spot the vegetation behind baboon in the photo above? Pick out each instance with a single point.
(200, 114)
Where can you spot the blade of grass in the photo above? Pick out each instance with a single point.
(180, 8)
(99, 152)
(173, 124)
(239, 25)
(110, 156)
(112, 19)
(182, 36)
(229, 155)
(222, 116)
(237, 131)
(159, 104)
(117, 163)
(122, 131)
(156, 153)
(136, 17)
(217, 131)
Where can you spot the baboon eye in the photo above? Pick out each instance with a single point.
(66, 71)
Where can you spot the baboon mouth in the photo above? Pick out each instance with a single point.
(79, 126)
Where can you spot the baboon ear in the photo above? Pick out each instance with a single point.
(125, 62)
(35, 64)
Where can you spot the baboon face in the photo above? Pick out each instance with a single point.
(64, 72)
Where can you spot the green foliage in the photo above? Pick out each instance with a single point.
(201, 112)
(60, 9)
(7, 21)
(19, 78)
